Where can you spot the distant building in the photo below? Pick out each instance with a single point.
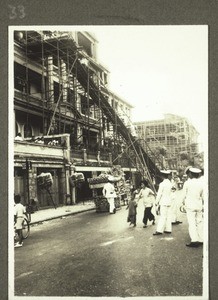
(173, 133)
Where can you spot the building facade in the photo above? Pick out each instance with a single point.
(171, 137)
(64, 116)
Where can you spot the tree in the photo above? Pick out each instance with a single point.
(184, 156)
(161, 151)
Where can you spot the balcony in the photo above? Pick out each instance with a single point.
(31, 149)
(90, 158)
(57, 154)
(25, 97)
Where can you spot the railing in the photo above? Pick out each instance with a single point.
(24, 147)
(86, 155)
(25, 97)
(76, 154)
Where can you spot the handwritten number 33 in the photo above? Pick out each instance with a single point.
(16, 12)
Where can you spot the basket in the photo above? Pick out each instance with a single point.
(96, 185)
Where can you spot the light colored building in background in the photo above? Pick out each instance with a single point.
(173, 136)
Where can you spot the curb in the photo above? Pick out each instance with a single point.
(60, 216)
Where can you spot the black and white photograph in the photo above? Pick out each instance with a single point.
(108, 161)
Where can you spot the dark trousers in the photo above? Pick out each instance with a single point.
(148, 215)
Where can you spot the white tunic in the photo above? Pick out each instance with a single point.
(109, 190)
(146, 194)
(164, 193)
(193, 194)
(19, 210)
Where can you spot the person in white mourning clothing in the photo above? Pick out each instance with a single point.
(164, 199)
(109, 193)
(193, 201)
(174, 207)
(201, 176)
(175, 204)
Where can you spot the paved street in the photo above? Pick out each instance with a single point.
(97, 254)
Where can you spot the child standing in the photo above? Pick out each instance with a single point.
(19, 215)
(132, 205)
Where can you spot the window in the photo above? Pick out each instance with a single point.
(85, 43)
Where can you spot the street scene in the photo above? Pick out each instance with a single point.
(98, 254)
(109, 157)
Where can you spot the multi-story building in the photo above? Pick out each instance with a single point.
(175, 134)
(67, 118)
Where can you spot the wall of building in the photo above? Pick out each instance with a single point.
(51, 101)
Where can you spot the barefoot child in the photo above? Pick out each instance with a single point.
(19, 214)
(132, 209)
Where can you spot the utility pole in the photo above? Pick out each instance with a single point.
(28, 166)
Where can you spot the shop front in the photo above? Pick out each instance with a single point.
(30, 160)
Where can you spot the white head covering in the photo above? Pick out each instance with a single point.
(167, 172)
(187, 169)
(195, 170)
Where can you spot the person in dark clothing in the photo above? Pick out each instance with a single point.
(132, 206)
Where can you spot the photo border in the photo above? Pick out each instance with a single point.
(99, 13)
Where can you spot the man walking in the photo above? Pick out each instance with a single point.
(109, 193)
(164, 200)
(193, 200)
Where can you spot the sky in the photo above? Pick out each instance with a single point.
(158, 69)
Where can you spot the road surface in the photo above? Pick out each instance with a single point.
(97, 254)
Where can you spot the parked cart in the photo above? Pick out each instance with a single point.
(101, 203)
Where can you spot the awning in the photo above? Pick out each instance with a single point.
(89, 168)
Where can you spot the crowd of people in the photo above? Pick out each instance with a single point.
(162, 203)
(165, 203)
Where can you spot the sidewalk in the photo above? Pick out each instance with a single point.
(52, 213)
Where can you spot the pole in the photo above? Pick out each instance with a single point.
(28, 185)
(59, 100)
